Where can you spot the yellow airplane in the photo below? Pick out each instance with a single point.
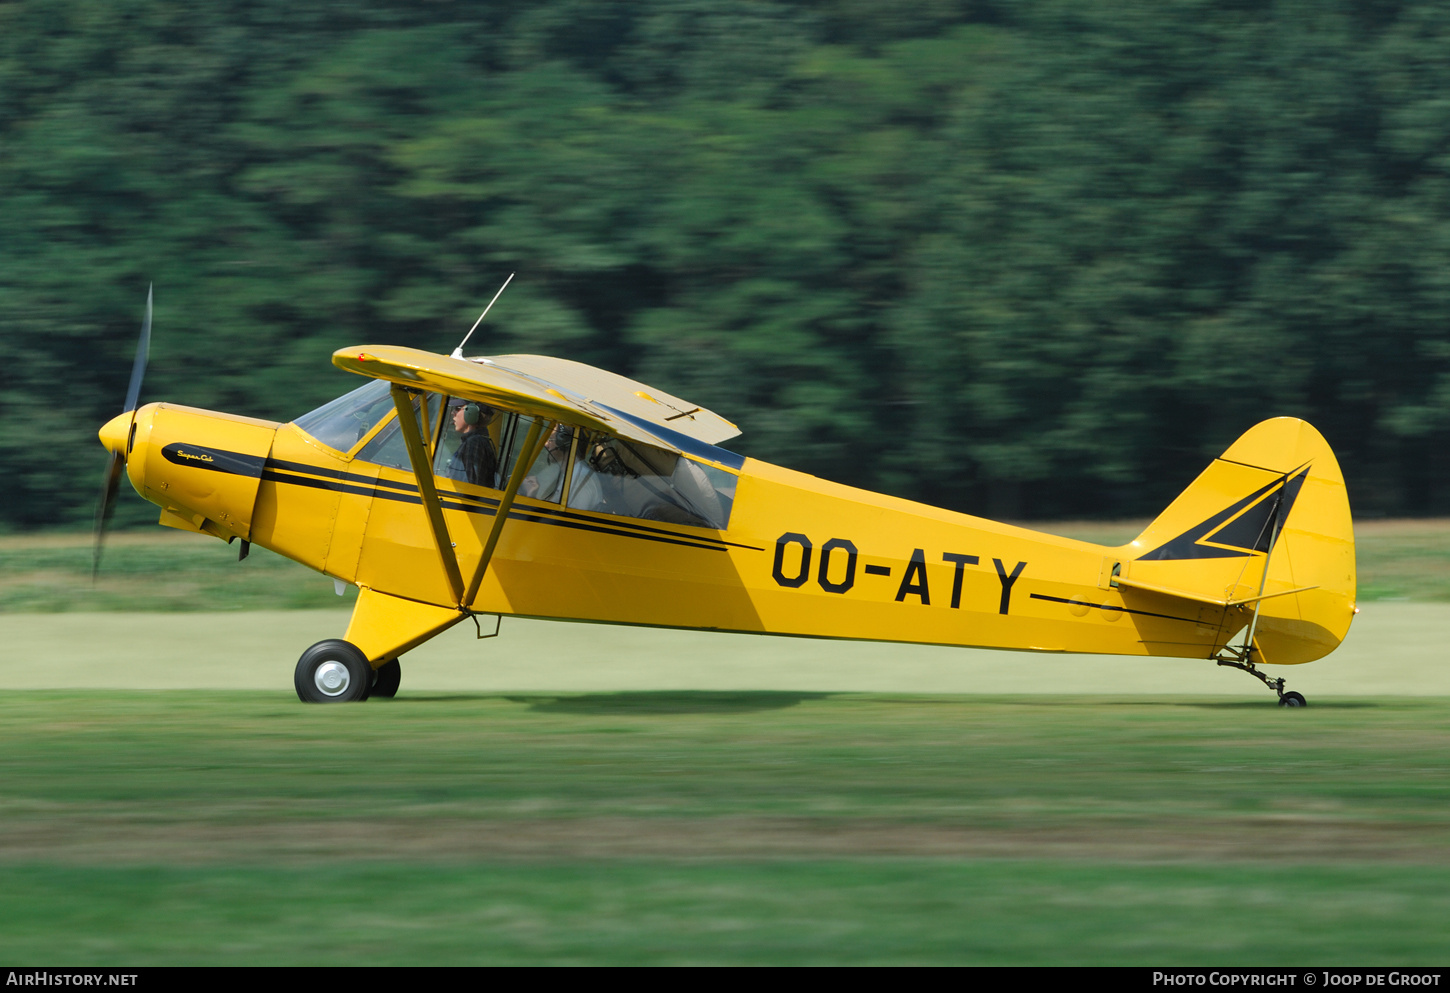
(446, 488)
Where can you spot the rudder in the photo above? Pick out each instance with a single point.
(1276, 495)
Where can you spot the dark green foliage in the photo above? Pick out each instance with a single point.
(1027, 259)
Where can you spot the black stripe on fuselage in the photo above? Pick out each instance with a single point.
(355, 477)
(336, 485)
(468, 500)
(213, 459)
(1108, 606)
(301, 474)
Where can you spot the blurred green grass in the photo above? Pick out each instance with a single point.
(234, 757)
(817, 912)
(154, 570)
(176, 571)
(630, 828)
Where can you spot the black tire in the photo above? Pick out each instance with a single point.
(386, 679)
(333, 671)
(1292, 699)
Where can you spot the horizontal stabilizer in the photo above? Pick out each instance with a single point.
(1203, 597)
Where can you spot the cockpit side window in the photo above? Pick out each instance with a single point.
(545, 477)
(468, 446)
(347, 420)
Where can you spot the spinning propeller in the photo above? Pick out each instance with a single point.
(119, 445)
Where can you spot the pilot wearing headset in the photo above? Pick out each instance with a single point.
(475, 458)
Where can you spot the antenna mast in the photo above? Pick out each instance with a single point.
(457, 353)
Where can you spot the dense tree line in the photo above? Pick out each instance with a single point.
(1037, 258)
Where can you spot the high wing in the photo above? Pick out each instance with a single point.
(555, 390)
(546, 389)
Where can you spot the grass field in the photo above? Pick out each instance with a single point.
(243, 828)
(158, 569)
(1394, 649)
(581, 794)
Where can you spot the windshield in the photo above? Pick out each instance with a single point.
(347, 420)
(390, 448)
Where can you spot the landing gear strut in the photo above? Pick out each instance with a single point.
(1241, 656)
(1290, 699)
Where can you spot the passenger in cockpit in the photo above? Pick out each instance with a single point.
(547, 478)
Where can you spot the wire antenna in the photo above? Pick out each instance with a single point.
(457, 353)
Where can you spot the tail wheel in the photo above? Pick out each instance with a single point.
(333, 671)
(1293, 699)
(386, 679)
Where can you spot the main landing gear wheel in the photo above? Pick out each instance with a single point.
(386, 679)
(1292, 699)
(333, 671)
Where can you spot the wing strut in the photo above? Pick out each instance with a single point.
(423, 472)
(532, 444)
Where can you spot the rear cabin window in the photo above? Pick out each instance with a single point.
(544, 479)
(616, 476)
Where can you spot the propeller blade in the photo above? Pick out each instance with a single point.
(143, 354)
(109, 488)
(111, 485)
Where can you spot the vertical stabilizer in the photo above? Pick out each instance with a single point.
(1266, 526)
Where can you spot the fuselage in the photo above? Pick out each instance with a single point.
(800, 555)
